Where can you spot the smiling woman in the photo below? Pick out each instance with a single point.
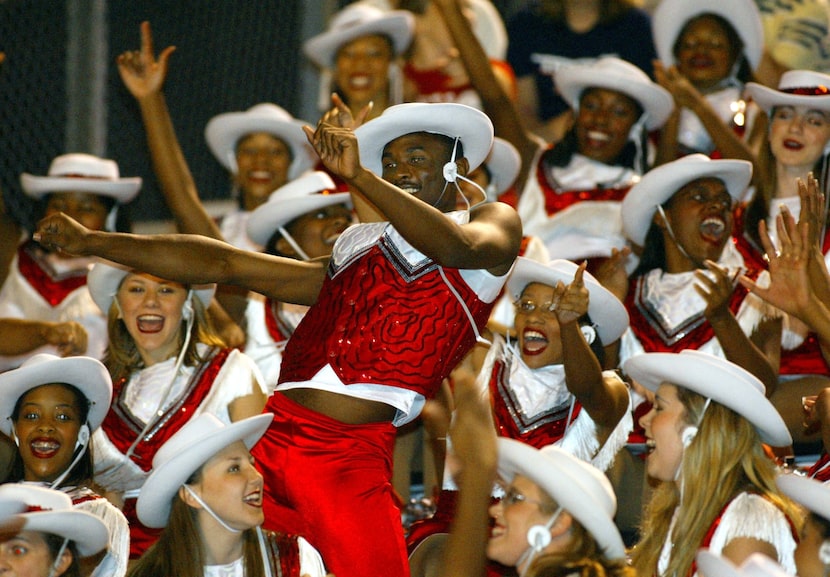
(163, 356)
(357, 56)
(797, 144)
(51, 407)
(715, 483)
(205, 490)
(615, 105)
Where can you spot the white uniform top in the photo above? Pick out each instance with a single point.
(238, 377)
(752, 516)
(20, 300)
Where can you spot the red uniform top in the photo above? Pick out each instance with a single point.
(692, 334)
(557, 200)
(539, 430)
(49, 285)
(386, 314)
(123, 429)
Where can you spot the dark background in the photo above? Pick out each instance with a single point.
(60, 90)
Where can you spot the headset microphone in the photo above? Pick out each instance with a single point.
(450, 172)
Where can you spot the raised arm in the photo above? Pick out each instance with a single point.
(489, 241)
(605, 400)
(475, 448)
(792, 289)
(498, 104)
(189, 259)
(143, 74)
(760, 353)
(687, 96)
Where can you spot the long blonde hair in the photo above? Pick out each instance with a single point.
(725, 458)
(122, 356)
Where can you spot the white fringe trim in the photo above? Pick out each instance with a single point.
(753, 516)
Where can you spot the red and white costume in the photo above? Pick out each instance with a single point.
(666, 314)
(535, 406)
(388, 326)
(748, 515)
(284, 555)
(153, 395)
(552, 189)
(269, 325)
(435, 85)
(114, 563)
(43, 287)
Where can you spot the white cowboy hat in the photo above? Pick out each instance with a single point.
(311, 191)
(82, 173)
(671, 16)
(504, 164)
(88, 375)
(51, 511)
(578, 487)
(659, 184)
(606, 310)
(716, 379)
(224, 131)
(187, 450)
(756, 565)
(472, 127)
(105, 278)
(810, 493)
(357, 20)
(615, 74)
(796, 88)
(9, 507)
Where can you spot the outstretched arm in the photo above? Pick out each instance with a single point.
(489, 241)
(605, 401)
(143, 74)
(189, 259)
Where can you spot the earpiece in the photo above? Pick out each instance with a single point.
(538, 537)
(824, 552)
(589, 332)
(187, 308)
(83, 436)
(14, 437)
(688, 435)
(450, 172)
